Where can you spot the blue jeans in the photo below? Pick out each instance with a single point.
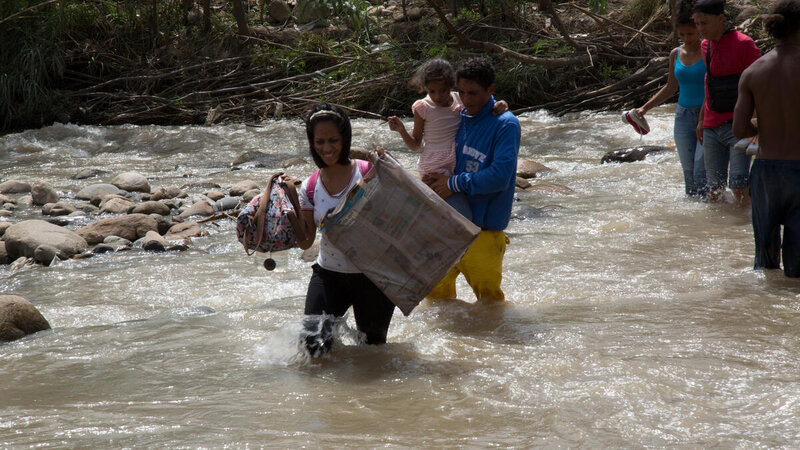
(775, 199)
(690, 151)
(460, 203)
(718, 149)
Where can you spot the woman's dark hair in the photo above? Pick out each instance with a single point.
(683, 13)
(479, 70)
(783, 19)
(711, 7)
(325, 112)
(435, 69)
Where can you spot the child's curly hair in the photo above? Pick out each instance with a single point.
(435, 69)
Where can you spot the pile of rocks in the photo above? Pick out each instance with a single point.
(123, 214)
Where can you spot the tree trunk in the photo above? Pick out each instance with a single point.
(240, 13)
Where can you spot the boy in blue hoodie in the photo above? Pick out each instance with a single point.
(487, 147)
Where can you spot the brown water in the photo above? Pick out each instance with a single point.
(635, 318)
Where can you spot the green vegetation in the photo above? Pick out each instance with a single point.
(171, 61)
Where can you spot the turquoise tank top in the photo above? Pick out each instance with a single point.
(691, 82)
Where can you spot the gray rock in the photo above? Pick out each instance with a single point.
(10, 206)
(131, 182)
(3, 227)
(42, 193)
(130, 227)
(153, 242)
(19, 318)
(116, 206)
(14, 187)
(58, 209)
(4, 259)
(86, 207)
(249, 157)
(22, 239)
(89, 173)
(522, 183)
(6, 199)
(164, 223)
(5, 213)
(241, 187)
(116, 240)
(97, 190)
(214, 195)
(151, 207)
(102, 248)
(198, 209)
(631, 154)
(226, 204)
(45, 254)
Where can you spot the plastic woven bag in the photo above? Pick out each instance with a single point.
(399, 233)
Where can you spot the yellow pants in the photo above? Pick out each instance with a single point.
(482, 266)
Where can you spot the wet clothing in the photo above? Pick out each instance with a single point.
(730, 55)
(329, 256)
(775, 200)
(719, 153)
(487, 147)
(336, 284)
(438, 137)
(690, 151)
(691, 82)
(482, 266)
(333, 293)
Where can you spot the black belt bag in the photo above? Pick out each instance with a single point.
(722, 91)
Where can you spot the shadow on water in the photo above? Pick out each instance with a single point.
(497, 322)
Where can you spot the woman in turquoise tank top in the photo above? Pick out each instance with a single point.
(686, 74)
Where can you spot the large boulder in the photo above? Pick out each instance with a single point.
(131, 182)
(130, 227)
(4, 226)
(14, 187)
(23, 238)
(19, 318)
(97, 190)
(4, 259)
(42, 193)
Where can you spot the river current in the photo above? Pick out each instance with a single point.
(634, 317)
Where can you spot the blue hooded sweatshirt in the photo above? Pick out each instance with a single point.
(487, 147)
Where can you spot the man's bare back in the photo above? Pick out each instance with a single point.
(771, 86)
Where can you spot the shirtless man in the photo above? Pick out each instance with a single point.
(772, 87)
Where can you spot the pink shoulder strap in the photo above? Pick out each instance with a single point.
(363, 167)
(312, 184)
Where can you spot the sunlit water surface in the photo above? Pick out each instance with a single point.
(634, 316)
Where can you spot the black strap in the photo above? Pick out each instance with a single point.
(708, 52)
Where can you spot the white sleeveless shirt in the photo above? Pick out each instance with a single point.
(330, 257)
